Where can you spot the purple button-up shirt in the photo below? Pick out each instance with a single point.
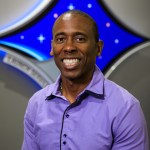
(104, 117)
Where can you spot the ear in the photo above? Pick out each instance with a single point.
(100, 47)
(51, 52)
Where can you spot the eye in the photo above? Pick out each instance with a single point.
(60, 39)
(80, 39)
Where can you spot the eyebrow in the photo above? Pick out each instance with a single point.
(75, 33)
(80, 33)
(59, 33)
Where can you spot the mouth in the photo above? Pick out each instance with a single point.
(71, 63)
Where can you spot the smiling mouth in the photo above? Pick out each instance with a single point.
(71, 62)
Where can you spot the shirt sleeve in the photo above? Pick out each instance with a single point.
(29, 141)
(130, 129)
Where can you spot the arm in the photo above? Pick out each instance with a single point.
(130, 129)
(29, 142)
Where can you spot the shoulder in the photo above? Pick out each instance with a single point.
(39, 97)
(124, 109)
(119, 100)
(36, 101)
(128, 121)
(118, 93)
(42, 92)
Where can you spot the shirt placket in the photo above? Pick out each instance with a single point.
(65, 131)
(67, 126)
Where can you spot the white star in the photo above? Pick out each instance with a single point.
(116, 41)
(22, 37)
(71, 7)
(89, 5)
(41, 38)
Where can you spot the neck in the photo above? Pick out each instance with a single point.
(71, 89)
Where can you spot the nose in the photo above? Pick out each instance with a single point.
(69, 46)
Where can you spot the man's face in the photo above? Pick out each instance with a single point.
(74, 46)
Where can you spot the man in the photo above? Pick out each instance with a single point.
(82, 110)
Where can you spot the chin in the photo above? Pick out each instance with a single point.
(70, 75)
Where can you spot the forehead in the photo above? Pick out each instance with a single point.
(73, 22)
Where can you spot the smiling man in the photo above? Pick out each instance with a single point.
(75, 47)
(82, 110)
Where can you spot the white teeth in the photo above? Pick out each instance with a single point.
(70, 61)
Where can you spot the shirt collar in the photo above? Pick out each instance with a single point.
(95, 87)
(54, 88)
(97, 83)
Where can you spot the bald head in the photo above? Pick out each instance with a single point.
(66, 15)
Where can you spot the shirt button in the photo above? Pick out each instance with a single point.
(64, 142)
(65, 135)
(67, 115)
